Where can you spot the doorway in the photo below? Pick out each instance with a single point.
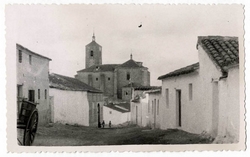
(32, 95)
(19, 98)
(215, 114)
(178, 107)
(98, 114)
(154, 113)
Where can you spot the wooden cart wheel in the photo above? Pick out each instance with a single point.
(31, 128)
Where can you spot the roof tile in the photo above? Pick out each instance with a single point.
(181, 71)
(100, 68)
(69, 83)
(223, 51)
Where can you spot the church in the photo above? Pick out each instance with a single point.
(112, 79)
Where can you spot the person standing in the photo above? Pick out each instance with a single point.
(103, 124)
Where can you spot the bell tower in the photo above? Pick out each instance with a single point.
(93, 53)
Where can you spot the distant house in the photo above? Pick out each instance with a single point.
(204, 97)
(118, 113)
(128, 89)
(143, 112)
(74, 102)
(33, 80)
(154, 114)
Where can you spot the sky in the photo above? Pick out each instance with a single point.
(165, 42)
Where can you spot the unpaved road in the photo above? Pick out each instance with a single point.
(66, 135)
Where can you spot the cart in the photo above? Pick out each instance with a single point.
(27, 120)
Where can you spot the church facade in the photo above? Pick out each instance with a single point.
(111, 78)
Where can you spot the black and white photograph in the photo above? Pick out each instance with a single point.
(83, 75)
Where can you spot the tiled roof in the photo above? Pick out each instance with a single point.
(100, 68)
(24, 48)
(133, 85)
(181, 71)
(144, 88)
(130, 64)
(120, 107)
(223, 51)
(154, 91)
(69, 83)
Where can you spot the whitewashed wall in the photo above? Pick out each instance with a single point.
(143, 113)
(214, 108)
(34, 76)
(154, 121)
(194, 113)
(229, 108)
(114, 116)
(70, 107)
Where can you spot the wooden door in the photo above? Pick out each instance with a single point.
(178, 107)
(98, 114)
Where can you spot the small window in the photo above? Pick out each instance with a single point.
(110, 112)
(128, 76)
(109, 78)
(45, 94)
(38, 93)
(91, 53)
(126, 93)
(167, 98)
(190, 91)
(158, 107)
(96, 79)
(20, 56)
(30, 59)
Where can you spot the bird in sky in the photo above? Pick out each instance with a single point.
(140, 25)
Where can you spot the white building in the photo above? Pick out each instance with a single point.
(145, 106)
(33, 81)
(204, 97)
(116, 113)
(74, 102)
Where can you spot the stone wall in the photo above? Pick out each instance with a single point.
(137, 75)
(94, 100)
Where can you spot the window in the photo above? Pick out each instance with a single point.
(167, 97)
(45, 94)
(126, 93)
(96, 79)
(30, 59)
(32, 95)
(91, 53)
(128, 76)
(158, 107)
(110, 112)
(190, 91)
(38, 93)
(109, 78)
(20, 56)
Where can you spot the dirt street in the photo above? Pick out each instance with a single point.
(66, 135)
